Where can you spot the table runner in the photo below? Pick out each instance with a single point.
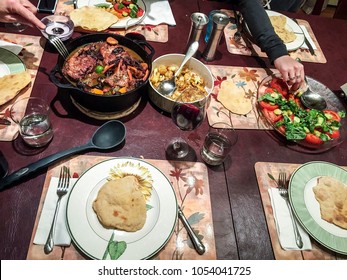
(31, 55)
(318, 252)
(242, 48)
(158, 33)
(248, 79)
(195, 200)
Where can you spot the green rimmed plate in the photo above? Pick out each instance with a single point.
(98, 242)
(10, 63)
(306, 207)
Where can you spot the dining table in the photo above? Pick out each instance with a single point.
(239, 213)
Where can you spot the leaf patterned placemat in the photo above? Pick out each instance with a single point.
(190, 181)
(267, 173)
(31, 54)
(240, 47)
(245, 78)
(154, 33)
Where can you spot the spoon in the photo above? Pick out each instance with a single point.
(312, 100)
(167, 87)
(108, 136)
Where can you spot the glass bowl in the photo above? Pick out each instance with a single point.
(60, 26)
(333, 103)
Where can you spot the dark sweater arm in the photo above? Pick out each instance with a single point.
(260, 26)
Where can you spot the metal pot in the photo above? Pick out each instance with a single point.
(103, 103)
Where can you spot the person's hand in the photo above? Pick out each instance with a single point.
(19, 11)
(292, 71)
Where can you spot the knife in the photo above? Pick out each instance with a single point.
(307, 42)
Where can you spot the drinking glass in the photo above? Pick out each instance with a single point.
(219, 140)
(32, 116)
(187, 116)
(15, 26)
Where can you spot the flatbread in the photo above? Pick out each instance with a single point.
(121, 205)
(11, 85)
(93, 18)
(234, 98)
(332, 197)
(279, 24)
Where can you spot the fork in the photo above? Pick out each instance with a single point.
(283, 191)
(62, 189)
(59, 45)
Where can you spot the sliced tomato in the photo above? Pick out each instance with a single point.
(271, 116)
(127, 2)
(279, 85)
(334, 135)
(269, 90)
(335, 115)
(282, 129)
(140, 12)
(268, 106)
(313, 139)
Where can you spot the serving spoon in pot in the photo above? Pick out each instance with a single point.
(167, 87)
(108, 136)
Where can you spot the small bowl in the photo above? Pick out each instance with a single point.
(162, 101)
(60, 26)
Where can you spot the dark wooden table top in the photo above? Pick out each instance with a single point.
(239, 222)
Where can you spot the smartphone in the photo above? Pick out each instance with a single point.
(47, 6)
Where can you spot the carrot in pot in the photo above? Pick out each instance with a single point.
(119, 65)
(129, 74)
(123, 90)
(107, 67)
(145, 76)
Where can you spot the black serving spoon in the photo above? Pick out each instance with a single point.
(108, 136)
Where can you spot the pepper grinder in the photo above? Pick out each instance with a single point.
(199, 20)
(220, 20)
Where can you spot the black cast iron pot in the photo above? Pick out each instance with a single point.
(103, 103)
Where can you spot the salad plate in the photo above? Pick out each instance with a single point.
(10, 63)
(334, 107)
(122, 22)
(98, 242)
(306, 208)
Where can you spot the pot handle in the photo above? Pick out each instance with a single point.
(53, 78)
(145, 44)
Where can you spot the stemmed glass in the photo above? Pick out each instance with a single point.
(187, 116)
(16, 26)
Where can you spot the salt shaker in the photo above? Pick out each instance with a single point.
(199, 20)
(220, 20)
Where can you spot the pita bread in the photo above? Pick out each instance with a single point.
(11, 85)
(121, 205)
(93, 18)
(234, 98)
(279, 24)
(332, 197)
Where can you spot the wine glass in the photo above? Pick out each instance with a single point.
(15, 26)
(187, 116)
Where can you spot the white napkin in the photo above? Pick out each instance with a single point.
(307, 35)
(158, 11)
(284, 224)
(16, 49)
(61, 235)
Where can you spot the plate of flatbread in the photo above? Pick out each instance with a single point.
(318, 195)
(121, 208)
(287, 29)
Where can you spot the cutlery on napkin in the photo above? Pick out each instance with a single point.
(158, 12)
(284, 224)
(61, 234)
(15, 48)
(308, 44)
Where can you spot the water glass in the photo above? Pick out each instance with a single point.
(32, 116)
(219, 140)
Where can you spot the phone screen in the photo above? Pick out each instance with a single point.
(47, 6)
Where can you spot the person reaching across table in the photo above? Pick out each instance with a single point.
(19, 11)
(263, 33)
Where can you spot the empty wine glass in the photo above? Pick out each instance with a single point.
(15, 26)
(187, 116)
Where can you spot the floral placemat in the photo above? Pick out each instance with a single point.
(154, 33)
(30, 55)
(240, 47)
(190, 181)
(245, 78)
(266, 172)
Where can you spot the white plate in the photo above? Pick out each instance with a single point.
(92, 238)
(10, 63)
(291, 25)
(306, 207)
(122, 23)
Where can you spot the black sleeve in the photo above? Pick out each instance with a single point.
(260, 26)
